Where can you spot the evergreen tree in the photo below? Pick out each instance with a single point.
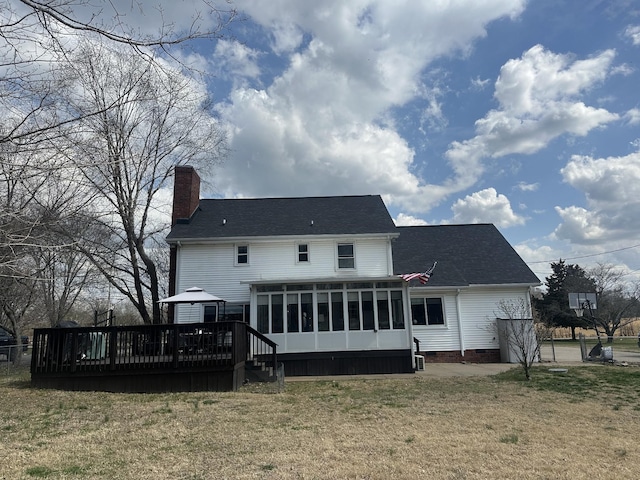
(553, 307)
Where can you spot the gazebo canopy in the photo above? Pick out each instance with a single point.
(193, 295)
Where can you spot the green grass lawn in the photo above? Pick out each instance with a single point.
(406, 427)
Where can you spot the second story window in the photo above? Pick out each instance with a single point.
(242, 254)
(303, 252)
(346, 257)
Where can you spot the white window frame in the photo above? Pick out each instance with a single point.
(426, 315)
(237, 254)
(307, 253)
(352, 257)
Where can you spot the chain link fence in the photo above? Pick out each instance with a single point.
(15, 360)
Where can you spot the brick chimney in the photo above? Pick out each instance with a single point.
(186, 197)
(186, 193)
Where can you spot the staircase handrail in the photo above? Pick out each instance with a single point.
(269, 342)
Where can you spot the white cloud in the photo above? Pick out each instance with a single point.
(324, 125)
(538, 102)
(579, 226)
(433, 115)
(528, 84)
(282, 151)
(612, 189)
(537, 254)
(537, 96)
(287, 37)
(632, 116)
(528, 187)
(479, 84)
(624, 69)
(485, 206)
(633, 32)
(404, 220)
(611, 182)
(236, 60)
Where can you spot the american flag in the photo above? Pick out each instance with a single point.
(423, 277)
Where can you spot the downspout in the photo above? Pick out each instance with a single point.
(407, 318)
(253, 307)
(528, 301)
(530, 314)
(460, 328)
(174, 251)
(389, 256)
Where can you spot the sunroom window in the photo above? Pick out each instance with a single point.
(329, 307)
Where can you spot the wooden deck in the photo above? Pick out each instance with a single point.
(150, 358)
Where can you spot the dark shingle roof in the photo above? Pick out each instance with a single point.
(346, 215)
(475, 254)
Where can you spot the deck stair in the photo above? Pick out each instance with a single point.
(261, 362)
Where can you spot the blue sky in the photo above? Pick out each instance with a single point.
(522, 114)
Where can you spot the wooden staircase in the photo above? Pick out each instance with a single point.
(261, 364)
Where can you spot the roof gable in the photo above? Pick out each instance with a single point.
(265, 217)
(475, 254)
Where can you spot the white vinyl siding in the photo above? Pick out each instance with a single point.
(439, 337)
(478, 312)
(214, 270)
(211, 266)
(214, 267)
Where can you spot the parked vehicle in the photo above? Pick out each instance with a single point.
(9, 344)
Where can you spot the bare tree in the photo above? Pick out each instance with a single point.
(21, 229)
(152, 118)
(618, 304)
(50, 116)
(522, 334)
(16, 300)
(37, 199)
(19, 223)
(33, 33)
(62, 275)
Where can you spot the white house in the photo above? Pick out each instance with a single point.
(320, 277)
(454, 314)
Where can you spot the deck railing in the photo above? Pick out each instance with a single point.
(261, 353)
(417, 344)
(199, 346)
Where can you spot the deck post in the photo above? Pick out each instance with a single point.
(274, 361)
(113, 335)
(174, 327)
(74, 351)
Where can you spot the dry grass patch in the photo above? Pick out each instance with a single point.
(580, 425)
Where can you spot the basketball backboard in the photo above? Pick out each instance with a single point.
(582, 300)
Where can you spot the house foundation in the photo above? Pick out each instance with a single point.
(480, 355)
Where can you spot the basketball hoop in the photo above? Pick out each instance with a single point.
(579, 302)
